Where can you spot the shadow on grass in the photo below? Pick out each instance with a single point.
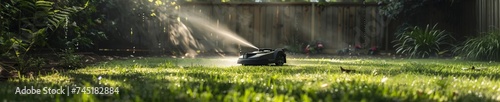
(437, 70)
(196, 85)
(160, 86)
(423, 69)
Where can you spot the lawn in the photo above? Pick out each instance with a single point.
(217, 79)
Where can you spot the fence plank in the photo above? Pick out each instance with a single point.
(497, 12)
(333, 28)
(284, 18)
(263, 26)
(279, 28)
(491, 13)
(484, 17)
(339, 26)
(271, 28)
(306, 19)
(327, 27)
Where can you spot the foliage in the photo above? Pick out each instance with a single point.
(301, 47)
(401, 8)
(82, 30)
(483, 47)
(156, 79)
(27, 24)
(70, 60)
(296, 48)
(391, 9)
(123, 21)
(35, 62)
(418, 42)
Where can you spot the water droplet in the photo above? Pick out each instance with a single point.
(324, 85)
(384, 79)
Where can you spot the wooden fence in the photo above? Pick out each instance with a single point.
(488, 14)
(272, 25)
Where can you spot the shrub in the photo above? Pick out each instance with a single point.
(70, 59)
(483, 47)
(422, 43)
(35, 62)
(293, 48)
(29, 24)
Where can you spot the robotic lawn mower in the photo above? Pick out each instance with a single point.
(263, 57)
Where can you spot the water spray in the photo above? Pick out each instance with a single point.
(208, 25)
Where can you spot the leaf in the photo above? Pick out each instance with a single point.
(41, 31)
(27, 30)
(27, 5)
(45, 5)
(65, 12)
(52, 21)
(86, 4)
(58, 16)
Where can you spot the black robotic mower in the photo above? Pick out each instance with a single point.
(263, 57)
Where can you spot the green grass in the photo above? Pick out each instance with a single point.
(159, 79)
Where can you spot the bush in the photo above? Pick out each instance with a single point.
(71, 60)
(293, 48)
(483, 47)
(31, 24)
(35, 63)
(422, 43)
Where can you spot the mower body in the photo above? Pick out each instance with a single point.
(263, 57)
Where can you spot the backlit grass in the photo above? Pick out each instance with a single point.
(158, 79)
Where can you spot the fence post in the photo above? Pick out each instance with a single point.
(312, 22)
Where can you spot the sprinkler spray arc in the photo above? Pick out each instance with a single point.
(204, 24)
